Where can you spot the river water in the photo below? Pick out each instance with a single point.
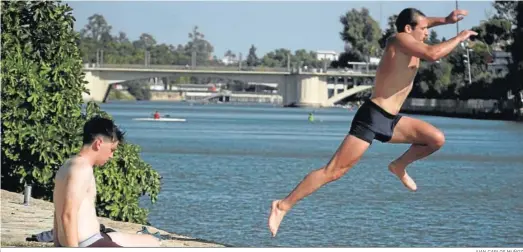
(222, 168)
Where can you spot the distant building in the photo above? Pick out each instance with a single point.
(118, 87)
(499, 63)
(329, 55)
(229, 60)
(374, 60)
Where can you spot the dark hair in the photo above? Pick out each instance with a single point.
(99, 126)
(408, 17)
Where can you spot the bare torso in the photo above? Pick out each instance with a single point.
(88, 224)
(394, 78)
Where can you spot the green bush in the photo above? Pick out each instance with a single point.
(42, 119)
(123, 179)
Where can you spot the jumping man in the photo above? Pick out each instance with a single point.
(378, 118)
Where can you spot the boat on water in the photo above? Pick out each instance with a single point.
(170, 119)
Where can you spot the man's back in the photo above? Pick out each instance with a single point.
(87, 220)
(394, 78)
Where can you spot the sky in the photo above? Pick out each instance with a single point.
(268, 25)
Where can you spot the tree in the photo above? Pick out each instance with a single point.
(308, 59)
(433, 38)
(230, 56)
(391, 29)
(346, 57)
(433, 80)
(98, 45)
(96, 28)
(361, 31)
(200, 46)
(42, 85)
(252, 59)
(96, 35)
(506, 10)
(494, 32)
(516, 68)
(146, 42)
(140, 91)
(277, 58)
(42, 117)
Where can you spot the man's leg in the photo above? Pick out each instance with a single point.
(425, 140)
(134, 240)
(347, 155)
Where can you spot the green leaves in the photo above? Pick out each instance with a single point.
(42, 117)
(361, 31)
(123, 180)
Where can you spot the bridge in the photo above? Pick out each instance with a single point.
(297, 88)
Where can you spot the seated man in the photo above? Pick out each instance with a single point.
(75, 220)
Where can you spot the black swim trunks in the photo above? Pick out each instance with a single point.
(373, 122)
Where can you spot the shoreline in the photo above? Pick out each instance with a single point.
(498, 116)
(477, 116)
(20, 221)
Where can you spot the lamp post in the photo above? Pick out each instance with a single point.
(465, 45)
(457, 23)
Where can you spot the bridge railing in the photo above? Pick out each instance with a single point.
(180, 67)
(230, 68)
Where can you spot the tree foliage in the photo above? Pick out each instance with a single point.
(42, 116)
(516, 68)
(361, 34)
(391, 29)
(361, 31)
(42, 85)
(252, 59)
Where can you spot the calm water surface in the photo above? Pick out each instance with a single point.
(223, 167)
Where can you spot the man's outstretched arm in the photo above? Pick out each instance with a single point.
(435, 21)
(412, 47)
(452, 18)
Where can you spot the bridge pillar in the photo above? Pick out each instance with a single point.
(302, 90)
(98, 88)
(335, 85)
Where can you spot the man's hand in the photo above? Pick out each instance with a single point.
(455, 16)
(466, 34)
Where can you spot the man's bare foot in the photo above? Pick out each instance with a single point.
(275, 217)
(401, 173)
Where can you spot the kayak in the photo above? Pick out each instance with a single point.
(161, 119)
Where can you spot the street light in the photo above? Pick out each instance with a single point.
(457, 23)
(465, 45)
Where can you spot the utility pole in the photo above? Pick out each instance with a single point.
(240, 63)
(468, 64)
(465, 45)
(147, 57)
(457, 23)
(288, 62)
(102, 57)
(99, 57)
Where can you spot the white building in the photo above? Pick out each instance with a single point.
(329, 55)
(229, 60)
(374, 60)
(500, 63)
